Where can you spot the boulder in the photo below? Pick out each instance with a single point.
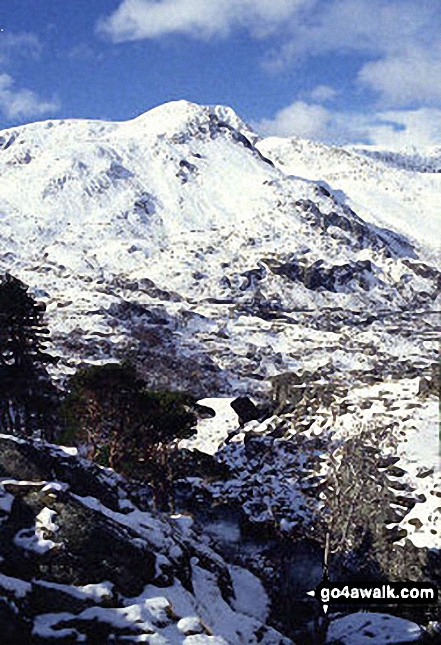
(245, 409)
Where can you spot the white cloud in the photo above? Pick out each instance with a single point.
(139, 19)
(372, 27)
(392, 129)
(20, 102)
(406, 128)
(413, 77)
(300, 119)
(398, 39)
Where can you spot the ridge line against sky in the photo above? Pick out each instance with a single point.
(339, 71)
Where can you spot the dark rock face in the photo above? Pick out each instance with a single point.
(193, 463)
(361, 235)
(98, 549)
(89, 545)
(288, 387)
(42, 463)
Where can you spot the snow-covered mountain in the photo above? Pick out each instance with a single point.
(181, 218)
(228, 264)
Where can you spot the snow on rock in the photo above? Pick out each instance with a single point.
(184, 521)
(6, 501)
(250, 596)
(35, 539)
(138, 577)
(190, 625)
(94, 591)
(17, 587)
(377, 186)
(420, 458)
(412, 441)
(365, 628)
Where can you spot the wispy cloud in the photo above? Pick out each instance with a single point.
(374, 28)
(400, 40)
(21, 45)
(410, 77)
(320, 94)
(21, 102)
(84, 52)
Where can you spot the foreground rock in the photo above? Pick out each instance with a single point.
(79, 561)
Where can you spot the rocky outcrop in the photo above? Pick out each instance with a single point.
(335, 278)
(79, 560)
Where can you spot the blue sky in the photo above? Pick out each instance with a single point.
(334, 70)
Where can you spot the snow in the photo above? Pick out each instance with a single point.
(34, 539)
(182, 520)
(18, 587)
(96, 591)
(205, 610)
(204, 640)
(365, 628)
(6, 501)
(415, 440)
(171, 615)
(175, 217)
(55, 487)
(381, 192)
(211, 432)
(45, 520)
(218, 614)
(121, 617)
(46, 626)
(250, 596)
(419, 454)
(190, 625)
(18, 482)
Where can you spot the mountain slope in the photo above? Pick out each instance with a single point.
(385, 188)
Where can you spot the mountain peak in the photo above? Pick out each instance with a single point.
(181, 116)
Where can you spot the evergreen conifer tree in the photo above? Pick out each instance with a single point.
(27, 395)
